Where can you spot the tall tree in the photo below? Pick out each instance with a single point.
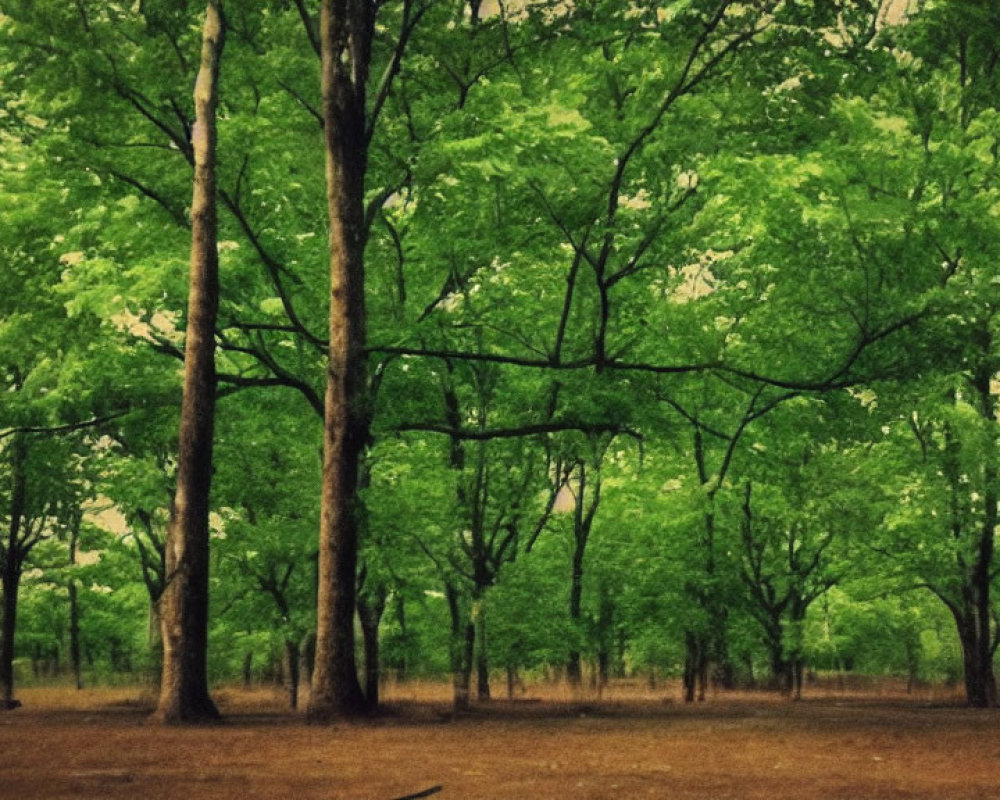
(184, 695)
(346, 31)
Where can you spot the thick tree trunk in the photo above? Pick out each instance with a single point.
(977, 666)
(346, 30)
(184, 695)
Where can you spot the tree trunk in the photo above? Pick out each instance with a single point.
(574, 673)
(404, 635)
(605, 637)
(308, 650)
(247, 670)
(463, 640)
(184, 695)
(781, 677)
(695, 667)
(74, 607)
(11, 555)
(9, 581)
(482, 656)
(292, 672)
(512, 681)
(154, 640)
(370, 611)
(74, 635)
(346, 30)
(980, 682)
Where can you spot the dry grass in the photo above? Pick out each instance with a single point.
(634, 742)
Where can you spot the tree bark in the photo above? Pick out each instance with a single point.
(482, 656)
(184, 695)
(9, 580)
(463, 640)
(980, 681)
(346, 30)
(11, 560)
(986, 691)
(574, 673)
(370, 611)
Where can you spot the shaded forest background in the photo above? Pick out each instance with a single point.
(678, 349)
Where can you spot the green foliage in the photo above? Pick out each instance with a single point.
(747, 244)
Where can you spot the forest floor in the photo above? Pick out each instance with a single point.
(632, 743)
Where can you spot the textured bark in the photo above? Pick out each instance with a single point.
(184, 695)
(346, 30)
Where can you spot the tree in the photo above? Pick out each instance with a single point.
(184, 695)
(346, 31)
(803, 499)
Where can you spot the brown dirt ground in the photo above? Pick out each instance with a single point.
(634, 743)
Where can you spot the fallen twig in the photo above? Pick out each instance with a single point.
(424, 793)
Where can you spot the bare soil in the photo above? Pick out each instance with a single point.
(632, 743)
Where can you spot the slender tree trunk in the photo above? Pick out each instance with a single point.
(463, 687)
(463, 640)
(74, 607)
(370, 611)
(404, 634)
(184, 695)
(9, 580)
(74, 635)
(512, 680)
(308, 650)
(154, 641)
(482, 657)
(346, 30)
(11, 559)
(292, 672)
(982, 577)
(605, 637)
(247, 670)
(574, 672)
